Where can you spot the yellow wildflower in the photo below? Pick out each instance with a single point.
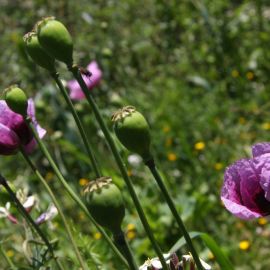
(166, 129)
(266, 126)
(250, 75)
(171, 156)
(131, 235)
(262, 221)
(244, 245)
(235, 73)
(10, 253)
(218, 166)
(130, 227)
(199, 146)
(210, 256)
(97, 235)
(49, 176)
(83, 181)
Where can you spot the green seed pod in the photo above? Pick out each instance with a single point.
(104, 202)
(133, 131)
(16, 100)
(54, 37)
(37, 53)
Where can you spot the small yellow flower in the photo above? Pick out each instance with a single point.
(10, 253)
(166, 129)
(266, 126)
(210, 256)
(83, 181)
(244, 245)
(218, 166)
(168, 142)
(97, 235)
(81, 216)
(242, 120)
(262, 221)
(131, 235)
(171, 157)
(235, 73)
(250, 75)
(49, 176)
(130, 227)
(199, 146)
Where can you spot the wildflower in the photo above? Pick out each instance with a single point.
(97, 235)
(14, 132)
(262, 221)
(131, 235)
(28, 202)
(130, 227)
(246, 188)
(218, 166)
(48, 215)
(155, 263)
(10, 253)
(4, 213)
(250, 75)
(199, 146)
(171, 157)
(75, 90)
(266, 126)
(83, 182)
(134, 160)
(235, 73)
(244, 245)
(188, 261)
(49, 176)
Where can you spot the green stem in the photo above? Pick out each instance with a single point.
(12, 195)
(72, 194)
(75, 71)
(57, 205)
(9, 262)
(91, 155)
(121, 243)
(152, 167)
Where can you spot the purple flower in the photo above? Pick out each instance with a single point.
(14, 131)
(75, 90)
(246, 188)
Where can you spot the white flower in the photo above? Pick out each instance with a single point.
(188, 259)
(134, 160)
(27, 202)
(155, 262)
(48, 215)
(4, 211)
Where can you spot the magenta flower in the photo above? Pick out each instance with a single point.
(246, 188)
(75, 90)
(14, 131)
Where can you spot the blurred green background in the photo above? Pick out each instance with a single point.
(198, 71)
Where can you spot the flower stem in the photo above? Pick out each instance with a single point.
(152, 167)
(91, 155)
(57, 205)
(9, 262)
(121, 243)
(27, 216)
(72, 194)
(75, 71)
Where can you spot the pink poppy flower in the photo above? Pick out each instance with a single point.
(14, 131)
(75, 90)
(246, 188)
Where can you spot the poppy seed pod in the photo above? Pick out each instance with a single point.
(55, 39)
(104, 202)
(37, 53)
(133, 131)
(16, 100)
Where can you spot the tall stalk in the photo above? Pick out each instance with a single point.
(29, 219)
(152, 167)
(75, 71)
(57, 205)
(70, 191)
(78, 122)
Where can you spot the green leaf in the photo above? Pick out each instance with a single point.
(221, 258)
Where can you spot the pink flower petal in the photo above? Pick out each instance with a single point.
(260, 149)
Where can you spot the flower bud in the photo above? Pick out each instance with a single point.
(16, 100)
(54, 37)
(132, 130)
(37, 53)
(105, 203)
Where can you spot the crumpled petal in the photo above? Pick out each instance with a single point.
(48, 215)
(260, 149)
(75, 90)
(9, 141)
